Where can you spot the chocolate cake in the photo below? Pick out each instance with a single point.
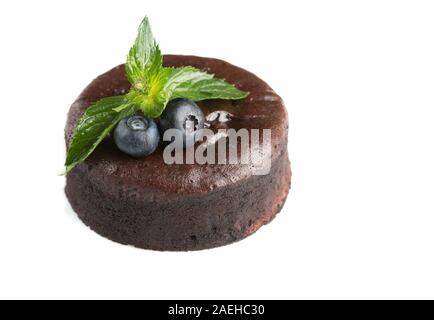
(153, 205)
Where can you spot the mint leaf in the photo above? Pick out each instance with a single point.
(93, 126)
(154, 101)
(194, 84)
(185, 82)
(144, 58)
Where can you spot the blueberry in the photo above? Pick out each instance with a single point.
(137, 136)
(184, 115)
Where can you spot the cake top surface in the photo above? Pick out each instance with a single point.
(262, 109)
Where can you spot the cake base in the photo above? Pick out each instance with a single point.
(182, 223)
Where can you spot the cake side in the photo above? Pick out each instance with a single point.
(182, 223)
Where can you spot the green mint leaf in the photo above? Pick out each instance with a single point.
(153, 102)
(194, 84)
(93, 126)
(185, 82)
(144, 59)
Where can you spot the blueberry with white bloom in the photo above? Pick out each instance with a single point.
(137, 136)
(186, 116)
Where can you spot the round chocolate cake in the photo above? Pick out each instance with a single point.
(179, 207)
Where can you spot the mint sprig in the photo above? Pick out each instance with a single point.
(152, 87)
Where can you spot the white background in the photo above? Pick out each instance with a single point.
(357, 78)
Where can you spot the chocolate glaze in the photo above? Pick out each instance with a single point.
(149, 204)
(262, 109)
